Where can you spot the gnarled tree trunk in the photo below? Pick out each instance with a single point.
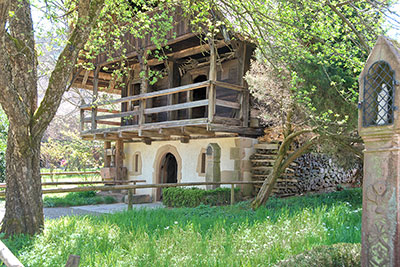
(24, 206)
(18, 98)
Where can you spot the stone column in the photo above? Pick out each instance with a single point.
(379, 126)
(213, 169)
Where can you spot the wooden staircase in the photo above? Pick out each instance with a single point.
(262, 162)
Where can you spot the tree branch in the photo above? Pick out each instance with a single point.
(88, 12)
(345, 20)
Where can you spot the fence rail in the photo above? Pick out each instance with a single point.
(69, 173)
(135, 110)
(132, 188)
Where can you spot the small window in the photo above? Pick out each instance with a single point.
(136, 162)
(203, 163)
(378, 102)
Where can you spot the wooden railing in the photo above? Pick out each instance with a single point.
(132, 188)
(111, 111)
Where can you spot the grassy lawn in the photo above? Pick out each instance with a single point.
(202, 236)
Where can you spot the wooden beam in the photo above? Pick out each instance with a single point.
(95, 96)
(185, 139)
(199, 103)
(153, 133)
(191, 130)
(85, 77)
(213, 77)
(171, 131)
(107, 158)
(146, 140)
(119, 159)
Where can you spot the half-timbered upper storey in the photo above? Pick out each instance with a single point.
(201, 93)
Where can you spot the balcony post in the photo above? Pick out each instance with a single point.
(144, 85)
(82, 120)
(212, 77)
(95, 96)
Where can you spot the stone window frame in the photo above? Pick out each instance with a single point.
(200, 158)
(137, 161)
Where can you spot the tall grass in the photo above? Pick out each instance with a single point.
(202, 236)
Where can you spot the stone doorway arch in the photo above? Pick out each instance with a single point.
(167, 168)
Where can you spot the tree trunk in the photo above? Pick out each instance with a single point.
(24, 205)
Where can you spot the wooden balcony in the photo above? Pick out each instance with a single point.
(176, 113)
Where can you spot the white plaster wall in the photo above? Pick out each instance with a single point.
(189, 152)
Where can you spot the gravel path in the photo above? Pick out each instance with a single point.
(52, 213)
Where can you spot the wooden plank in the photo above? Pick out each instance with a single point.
(85, 77)
(69, 173)
(107, 158)
(7, 257)
(227, 104)
(175, 90)
(227, 121)
(199, 103)
(228, 85)
(235, 129)
(103, 110)
(136, 186)
(119, 115)
(114, 123)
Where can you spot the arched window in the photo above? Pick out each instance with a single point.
(378, 102)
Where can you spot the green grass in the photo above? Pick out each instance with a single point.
(201, 236)
(76, 199)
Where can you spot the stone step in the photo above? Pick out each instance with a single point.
(266, 146)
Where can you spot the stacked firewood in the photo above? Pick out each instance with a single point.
(308, 173)
(262, 164)
(319, 172)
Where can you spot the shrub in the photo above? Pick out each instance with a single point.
(342, 254)
(77, 199)
(193, 197)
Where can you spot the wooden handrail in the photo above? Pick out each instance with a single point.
(68, 173)
(174, 90)
(137, 186)
(4, 185)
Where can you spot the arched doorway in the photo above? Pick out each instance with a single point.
(168, 172)
(199, 94)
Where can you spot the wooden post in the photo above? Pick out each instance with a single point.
(107, 158)
(144, 85)
(8, 257)
(130, 200)
(119, 158)
(244, 108)
(82, 120)
(95, 96)
(232, 194)
(189, 98)
(212, 77)
(173, 81)
(73, 261)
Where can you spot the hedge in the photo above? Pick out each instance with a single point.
(192, 197)
(341, 254)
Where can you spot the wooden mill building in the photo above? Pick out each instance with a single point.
(194, 124)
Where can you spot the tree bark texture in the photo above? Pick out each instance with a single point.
(18, 98)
